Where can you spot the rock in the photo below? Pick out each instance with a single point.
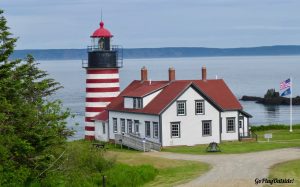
(272, 98)
(250, 98)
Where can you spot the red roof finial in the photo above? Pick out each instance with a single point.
(101, 24)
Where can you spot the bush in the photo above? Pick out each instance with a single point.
(85, 166)
(273, 127)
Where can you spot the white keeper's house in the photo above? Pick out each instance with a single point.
(174, 112)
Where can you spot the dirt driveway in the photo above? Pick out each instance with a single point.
(234, 169)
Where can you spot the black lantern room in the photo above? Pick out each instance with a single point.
(101, 54)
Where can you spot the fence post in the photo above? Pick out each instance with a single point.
(144, 141)
(103, 181)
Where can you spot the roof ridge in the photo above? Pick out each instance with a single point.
(216, 91)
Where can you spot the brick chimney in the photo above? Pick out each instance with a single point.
(171, 74)
(144, 74)
(203, 73)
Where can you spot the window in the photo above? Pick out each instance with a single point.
(181, 108)
(140, 103)
(134, 102)
(240, 123)
(206, 128)
(137, 103)
(155, 130)
(199, 107)
(129, 126)
(122, 125)
(115, 125)
(175, 130)
(147, 129)
(230, 124)
(136, 126)
(103, 128)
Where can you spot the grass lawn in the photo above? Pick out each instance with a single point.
(281, 139)
(169, 172)
(85, 165)
(286, 170)
(280, 135)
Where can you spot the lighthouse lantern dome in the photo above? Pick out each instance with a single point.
(101, 32)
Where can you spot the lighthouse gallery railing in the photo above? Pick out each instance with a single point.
(115, 48)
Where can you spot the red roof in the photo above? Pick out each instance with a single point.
(103, 116)
(215, 91)
(101, 32)
(219, 92)
(147, 88)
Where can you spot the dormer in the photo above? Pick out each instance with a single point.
(133, 102)
(147, 90)
(137, 101)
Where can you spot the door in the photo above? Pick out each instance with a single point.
(241, 128)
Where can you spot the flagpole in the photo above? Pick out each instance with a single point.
(291, 107)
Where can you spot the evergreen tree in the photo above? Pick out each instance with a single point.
(32, 125)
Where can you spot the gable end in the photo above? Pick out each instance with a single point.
(209, 100)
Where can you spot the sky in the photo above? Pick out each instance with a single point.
(57, 24)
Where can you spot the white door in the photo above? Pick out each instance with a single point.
(101, 129)
(241, 127)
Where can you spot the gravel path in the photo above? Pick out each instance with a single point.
(234, 169)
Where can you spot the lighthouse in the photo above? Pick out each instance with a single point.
(102, 76)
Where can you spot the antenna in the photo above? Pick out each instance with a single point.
(101, 14)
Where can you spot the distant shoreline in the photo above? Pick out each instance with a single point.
(164, 52)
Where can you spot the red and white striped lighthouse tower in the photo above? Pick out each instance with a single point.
(102, 81)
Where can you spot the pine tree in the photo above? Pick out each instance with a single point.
(32, 125)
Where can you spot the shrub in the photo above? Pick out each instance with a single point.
(273, 127)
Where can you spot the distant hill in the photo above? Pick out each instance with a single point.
(165, 52)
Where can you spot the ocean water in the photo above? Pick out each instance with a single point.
(244, 75)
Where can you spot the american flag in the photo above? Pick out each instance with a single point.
(285, 84)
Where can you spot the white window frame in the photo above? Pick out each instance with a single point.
(129, 126)
(155, 130)
(204, 130)
(181, 107)
(147, 129)
(134, 102)
(140, 103)
(199, 105)
(230, 121)
(123, 126)
(115, 125)
(175, 126)
(136, 126)
(137, 102)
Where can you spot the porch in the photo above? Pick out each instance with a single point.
(249, 136)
